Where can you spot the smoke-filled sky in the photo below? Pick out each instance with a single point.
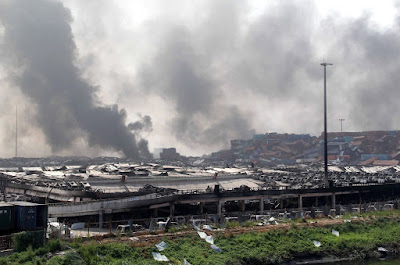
(100, 77)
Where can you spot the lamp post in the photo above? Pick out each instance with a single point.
(325, 131)
(341, 124)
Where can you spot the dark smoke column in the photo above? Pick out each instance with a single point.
(40, 44)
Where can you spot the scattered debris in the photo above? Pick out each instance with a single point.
(157, 256)
(148, 189)
(272, 221)
(161, 246)
(202, 235)
(215, 248)
(335, 233)
(207, 227)
(317, 243)
(383, 250)
(76, 226)
(210, 239)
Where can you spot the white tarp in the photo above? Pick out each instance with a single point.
(202, 235)
(56, 225)
(196, 228)
(335, 233)
(207, 227)
(185, 262)
(77, 226)
(272, 221)
(210, 239)
(161, 246)
(381, 249)
(157, 256)
(215, 248)
(317, 243)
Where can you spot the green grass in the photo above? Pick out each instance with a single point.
(357, 240)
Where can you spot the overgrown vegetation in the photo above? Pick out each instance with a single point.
(37, 256)
(357, 240)
(23, 240)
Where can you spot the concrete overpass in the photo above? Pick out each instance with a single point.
(154, 201)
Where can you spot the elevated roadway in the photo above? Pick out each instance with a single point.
(153, 201)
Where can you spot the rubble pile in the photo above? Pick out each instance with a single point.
(148, 189)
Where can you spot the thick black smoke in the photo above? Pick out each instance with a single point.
(39, 40)
(143, 125)
(220, 75)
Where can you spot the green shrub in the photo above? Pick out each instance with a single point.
(232, 224)
(358, 239)
(249, 223)
(25, 239)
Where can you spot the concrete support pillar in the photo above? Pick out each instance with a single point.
(201, 207)
(338, 212)
(5, 194)
(262, 205)
(316, 201)
(172, 209)
(219, 208)
(242, 206)
(24, 197)
(281, 204)
(155, 212)
(101, 216)
(300, 203)
(333, 201)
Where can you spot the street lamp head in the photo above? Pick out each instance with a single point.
(325, 64)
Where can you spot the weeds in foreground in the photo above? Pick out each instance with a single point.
(357, 240)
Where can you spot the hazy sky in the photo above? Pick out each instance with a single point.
(91, 76)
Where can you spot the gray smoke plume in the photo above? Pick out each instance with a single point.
(183, 75)
(216, 71)
(373, 60)
(217, 75)
(39, 40)
(143, 125)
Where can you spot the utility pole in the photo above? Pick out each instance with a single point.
(326, 182)
(341, 124)
(16, 131)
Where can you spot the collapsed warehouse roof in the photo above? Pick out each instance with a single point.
(80, 183)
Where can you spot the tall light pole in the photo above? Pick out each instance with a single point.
(341, 124)
(325, 131)
(16, 131)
